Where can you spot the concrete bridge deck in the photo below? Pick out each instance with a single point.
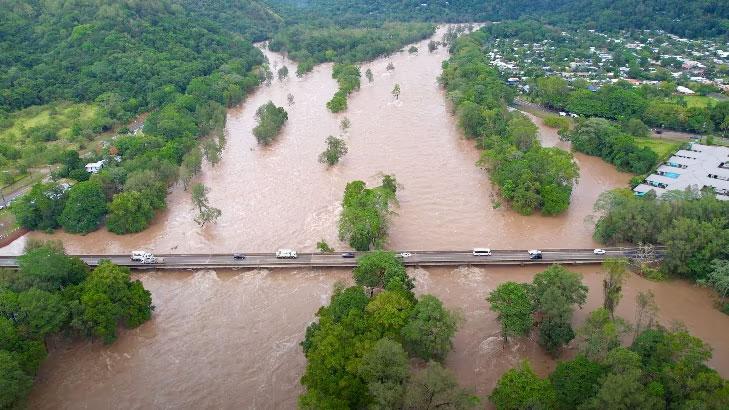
(327, 260)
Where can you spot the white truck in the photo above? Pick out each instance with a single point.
(140, 256)
(286, 254)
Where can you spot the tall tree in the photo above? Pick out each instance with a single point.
(600, 334)
(519, 388)
(429, 333)
(85, 207)
(616, 270)
(385, 369)
(513, 304)
(206, 213)
(336, 149)
(435, 388)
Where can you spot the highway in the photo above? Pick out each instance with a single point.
(326, 260)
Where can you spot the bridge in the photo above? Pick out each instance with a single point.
(336, 260)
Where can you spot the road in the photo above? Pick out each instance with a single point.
(320, 260)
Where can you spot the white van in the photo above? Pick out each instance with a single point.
(481, 252)
(286, 254)
(140, 256)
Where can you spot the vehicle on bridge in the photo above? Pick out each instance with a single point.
(153, 260)
(286, 254)
(348, 255)
(238, 256)
(140, 256)
(535, 254)
(481, 252)
(404, 255)
(599, 251)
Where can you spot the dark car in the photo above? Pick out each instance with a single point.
(238, 256)
(535, 256)
(348, 255)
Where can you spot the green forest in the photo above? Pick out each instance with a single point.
(530, 177)
(53, 294)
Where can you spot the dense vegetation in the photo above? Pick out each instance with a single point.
(365, 213)
(358, 351)
(696, 18)
(348, 78)
(654, 105)
(660, 369)
(598, 137)
(529, 176)
(271, 119)
(313, 44)
(52, 294)
(550, 297)
(692, 225)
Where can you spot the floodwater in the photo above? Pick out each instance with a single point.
(281, 196)
(229, 340)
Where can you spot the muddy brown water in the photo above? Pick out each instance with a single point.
(230, 339)
(281, 196)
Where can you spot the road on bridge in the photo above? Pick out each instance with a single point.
(321, 260)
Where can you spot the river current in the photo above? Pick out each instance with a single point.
(229, 339)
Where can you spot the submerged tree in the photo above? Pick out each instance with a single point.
(345, 124)
(396, 91)
(390, 66)
(647, 313)
(435, 388)
(368, 74)
(616, 270)
(513, 304)
(336, 149)
(206, 213)
(283, 72)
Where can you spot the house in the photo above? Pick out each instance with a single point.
(95, 167)
(683, 90)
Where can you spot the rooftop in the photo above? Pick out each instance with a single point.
(699, 167)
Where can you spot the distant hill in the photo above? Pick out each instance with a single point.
(689, 18)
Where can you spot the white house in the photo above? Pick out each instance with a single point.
(95, 167)
(684, 90)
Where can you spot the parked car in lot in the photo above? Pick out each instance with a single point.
(404, 255)
(599, 251)
(481, 252)
(286, 254)
(348, 255)
(535, 254)
(239, 256)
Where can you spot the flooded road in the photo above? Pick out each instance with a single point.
(280, 196)
(229, 340)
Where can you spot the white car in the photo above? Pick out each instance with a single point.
(599, 251)
(404, 254)
(535, 252)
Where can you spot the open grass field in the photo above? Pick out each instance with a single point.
(662, 147)
(699, 101)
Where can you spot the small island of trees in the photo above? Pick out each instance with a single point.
(271, 119)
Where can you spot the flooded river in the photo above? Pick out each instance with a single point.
(280, 196)
(230, 339)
